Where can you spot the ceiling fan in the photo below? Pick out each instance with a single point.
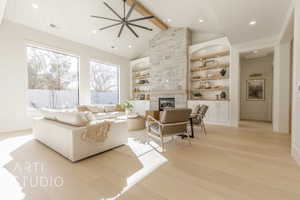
(124, 21)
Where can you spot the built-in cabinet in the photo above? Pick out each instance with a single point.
(209, 75)
(140, 107)
(218, 112)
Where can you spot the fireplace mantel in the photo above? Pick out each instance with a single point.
(169, 92)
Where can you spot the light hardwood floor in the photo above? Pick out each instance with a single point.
(250, 162)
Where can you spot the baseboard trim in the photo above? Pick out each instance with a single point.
(16, 131)
(218, 123)
(296, 154)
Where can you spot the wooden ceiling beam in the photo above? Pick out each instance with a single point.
(140, 8)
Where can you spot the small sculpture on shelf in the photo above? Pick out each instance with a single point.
(223, 95)
(197, 95)
(223, 72)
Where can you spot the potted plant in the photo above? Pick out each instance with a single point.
(127, 106)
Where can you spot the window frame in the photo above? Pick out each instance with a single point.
(118, 78)
(57, 51)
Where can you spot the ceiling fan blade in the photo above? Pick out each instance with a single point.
(143, 27)
(112, 10)
(124, 8)
(136, 35)
(140, 19)
(115, 20)
(130, 11)
(121, 30)
(106, 27)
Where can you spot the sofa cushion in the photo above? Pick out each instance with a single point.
(96, 109)
(91, 116)
(109, 108)
(116, 114)
(101, 116)
(73, 118)
(119, 108)
(109, 115)
(48, 113)
(82, 108)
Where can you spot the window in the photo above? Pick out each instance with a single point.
(104, 83)
(52, 79)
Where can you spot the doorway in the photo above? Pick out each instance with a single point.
(256, 85)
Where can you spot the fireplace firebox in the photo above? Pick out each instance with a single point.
(166, 103)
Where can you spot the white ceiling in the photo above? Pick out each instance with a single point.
(257, 53)
(221, 17)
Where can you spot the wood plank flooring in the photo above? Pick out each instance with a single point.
(246, 163)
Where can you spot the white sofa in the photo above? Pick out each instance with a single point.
(66, 139)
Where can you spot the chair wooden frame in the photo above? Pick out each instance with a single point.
(151, 119)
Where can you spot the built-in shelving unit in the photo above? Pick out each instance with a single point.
(140, 79)
(210, 71)
(210, 56)
(210, 78)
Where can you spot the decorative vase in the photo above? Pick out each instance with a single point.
(223, 72)
(223, 95)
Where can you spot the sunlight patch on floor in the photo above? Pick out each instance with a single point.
(10, 187)
(149, 157)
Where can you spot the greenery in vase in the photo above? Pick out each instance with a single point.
(126, 105)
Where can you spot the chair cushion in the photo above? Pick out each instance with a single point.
(175, 115)
(196, 109)
(154, 128)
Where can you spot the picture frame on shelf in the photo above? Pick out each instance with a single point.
(255, 90)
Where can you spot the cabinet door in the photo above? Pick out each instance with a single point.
(222, 111)
(211, 113)
(140, 107)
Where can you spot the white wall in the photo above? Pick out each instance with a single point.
(257, 110)
(281, 106)
(13, 74)
(2, 9)
(296, 89)
(235, 87)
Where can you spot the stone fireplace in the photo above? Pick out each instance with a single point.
(169, 67)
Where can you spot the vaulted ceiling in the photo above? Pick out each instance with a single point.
(220, 17)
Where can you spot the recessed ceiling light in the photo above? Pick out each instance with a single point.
(94, 31)
(34, 5)
(130, 46)
(252, 23)
(201, 20)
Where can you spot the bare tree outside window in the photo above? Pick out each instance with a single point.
(52, 79)
(104, 83)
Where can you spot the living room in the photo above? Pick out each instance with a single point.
(125, 99)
